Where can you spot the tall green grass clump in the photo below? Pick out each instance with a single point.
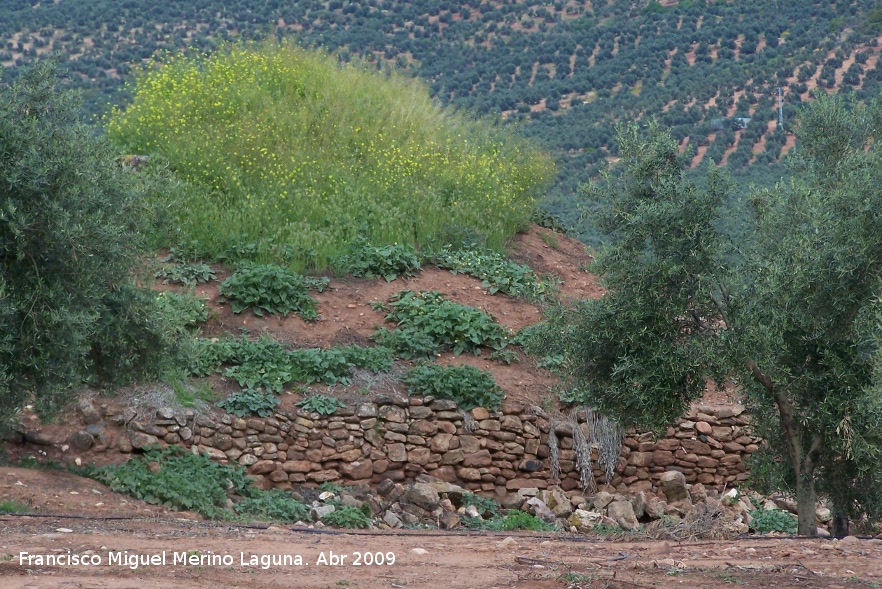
(289, 149)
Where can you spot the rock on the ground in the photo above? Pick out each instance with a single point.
(623, 513)
(538, 508)
(584, 521)
(673, 484)
(422, 495)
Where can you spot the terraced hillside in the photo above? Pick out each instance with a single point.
(565, 71)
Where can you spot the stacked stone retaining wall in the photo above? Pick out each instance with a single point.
(399, 439)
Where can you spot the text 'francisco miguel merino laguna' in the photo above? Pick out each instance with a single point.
(195, 558)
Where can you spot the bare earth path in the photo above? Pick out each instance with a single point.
(449, 560)
(83, 517)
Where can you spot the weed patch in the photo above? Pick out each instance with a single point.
(177, 479)
(468, 386)
(269, 288)
(183, 311)
(448, 324)
(13, 507)
(388, 261)
(763, 521)
(407, 342)
(321, 404)
(347, 516)
(497, 273)
(290, 146)
(186, 273)
(265, 363)
(273, 505)
(514, 520)
(250, 402)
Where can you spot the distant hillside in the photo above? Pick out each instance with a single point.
(565, 71)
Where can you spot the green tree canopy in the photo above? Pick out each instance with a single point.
(69, 310)
(791, 313)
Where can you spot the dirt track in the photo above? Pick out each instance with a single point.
(450, 560)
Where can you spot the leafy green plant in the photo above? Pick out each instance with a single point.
(388, 261)
(520, 520)
(250, 402)
(572, 577)
(182, 481)
(514, 520)
(272, 505)
(318, 365)
(497, 273)
(347, 516)
(182, 310)
(505, 356)
(189, 395)
(468, 386)
(13, 507)
(407, 342)
(321, 404)
(462, 328)
(268, 288)
(486, 506)
(262, 363)
(763, 521)
(204, 356)
(188, 274)
(375, 359)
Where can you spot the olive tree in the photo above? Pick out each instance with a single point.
(791, 312)
(69, 218)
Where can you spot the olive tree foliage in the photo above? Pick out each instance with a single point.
(792, 313)
(69, 217)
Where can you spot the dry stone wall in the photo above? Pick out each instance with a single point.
(399, 439)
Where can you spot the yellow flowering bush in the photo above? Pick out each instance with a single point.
(301, 154)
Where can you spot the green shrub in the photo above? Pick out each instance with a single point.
(318, 365)
(486, 507)
(347, 516)
(262, 363)
(506, 356)
(407, 342)
(183, 481)
(182, 310)
(514, 520)
(388, 261)
(269, 288)
(13, 507)
(497, 273)
(462, 328)
(204, 356)
(468, 386)
(321, 404)
(184, 273)
(763, 521)
(519, 520)
(273, 505)
(291, 147)
(266, 363)
(376, 359)
(69, 237)
(250, 402)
